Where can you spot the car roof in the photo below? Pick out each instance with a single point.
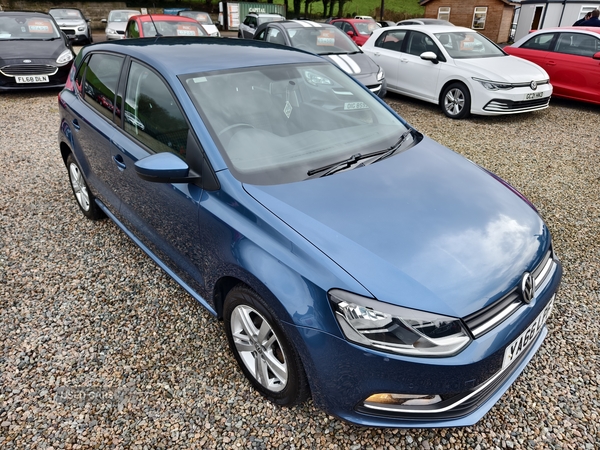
(432, 28)
(588, 29)
(265, 14)
(161, 18)
(177, 55)
(298, 24)
(353, 20)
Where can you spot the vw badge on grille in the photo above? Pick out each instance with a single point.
(533, 85)
(527, 287)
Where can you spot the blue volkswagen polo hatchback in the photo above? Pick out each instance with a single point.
(350, 257)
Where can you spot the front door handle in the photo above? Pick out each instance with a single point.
(118, 159)
(76, 124)
(551, 63)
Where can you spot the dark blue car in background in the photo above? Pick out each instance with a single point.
(350, 257)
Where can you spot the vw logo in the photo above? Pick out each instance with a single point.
(527, 287)
(533, 85)
(26, 61)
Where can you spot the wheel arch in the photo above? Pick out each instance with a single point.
(448, 83)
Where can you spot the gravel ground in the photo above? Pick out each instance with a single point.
(99, 348)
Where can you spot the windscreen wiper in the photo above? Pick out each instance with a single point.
(349, 162)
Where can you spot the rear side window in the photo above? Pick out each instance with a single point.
(132, 30)
(152, 116)
(540, 42)
(100, 84)
(577, 44)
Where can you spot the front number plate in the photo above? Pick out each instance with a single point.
(520, 344)
(31, 78)
(534, 95)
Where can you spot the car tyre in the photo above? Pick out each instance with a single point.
(456, 101)
(81, 191)
(261, 348)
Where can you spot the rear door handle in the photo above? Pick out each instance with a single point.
(118, 159)
(76, 124)
(404, 60)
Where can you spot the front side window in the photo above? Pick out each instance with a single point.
(152, 116)
(540, 42)
(461, 45)
(419, 43)
(577, 44)
(392, 40)
(100, 83)
(479, 16)
(276, 124)
(444, 13)
(275, 36)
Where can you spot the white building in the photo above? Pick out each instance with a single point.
(535, 15)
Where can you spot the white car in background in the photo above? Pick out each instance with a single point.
(117, 21)
(203, 19)
(459, 69)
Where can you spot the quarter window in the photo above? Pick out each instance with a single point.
(479, 17)
(152, 116)
(444, 13)
(100, 84)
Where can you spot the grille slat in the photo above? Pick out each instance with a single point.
(486, 319)
(509, 105)
(28, 69)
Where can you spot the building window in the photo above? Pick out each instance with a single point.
(479, 18)
(444, 13)
(585, 10)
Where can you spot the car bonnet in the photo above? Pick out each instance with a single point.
(425, 228)
(503, 68)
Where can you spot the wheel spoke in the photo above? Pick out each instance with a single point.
(242, 343)
(278, 369)
(261, 371)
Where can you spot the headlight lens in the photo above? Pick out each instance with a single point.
(216, 33)
(64, 57)
(110, 31)
(493, 85)
(80, 28)
(316, 79)
(380, 74)
(395, 329)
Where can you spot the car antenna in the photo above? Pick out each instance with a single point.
(157, 33)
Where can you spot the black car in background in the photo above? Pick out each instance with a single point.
(34, 53)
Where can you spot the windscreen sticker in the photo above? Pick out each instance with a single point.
(468, 43)
(73, 13)
(326, 37)
(186, 30)
(350, 106)
(39, 26)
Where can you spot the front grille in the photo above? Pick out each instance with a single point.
(120, 32)
(502, 105)
(67, 31)
(374, 88)
(493, 315)
(28, 69)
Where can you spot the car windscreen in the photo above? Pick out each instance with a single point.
(276, 124)
(461, 45)
(121, 16)
(366, 28)
(172, 28)
(322, 41)
(66, 14)
(26, 27)
(201, 17)
(266, 19)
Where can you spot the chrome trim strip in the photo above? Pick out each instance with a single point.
(497, 319)
(542, 276)
(453, 405)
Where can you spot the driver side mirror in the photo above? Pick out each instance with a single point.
(104, 21)
(164, 168)
(596, 55)
(429, 56)
(350, 33)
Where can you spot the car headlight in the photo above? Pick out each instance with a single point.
(494, 85)
(110, 31)
(80, 28)
(64, 57)
(316, 79)
(216, 33)
(380, 74)
(395, 329)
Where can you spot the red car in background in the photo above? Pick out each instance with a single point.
(162, 25)
(570, 55)
(358, 29)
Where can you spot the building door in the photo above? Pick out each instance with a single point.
(537, 17)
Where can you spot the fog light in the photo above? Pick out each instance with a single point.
(404, 399)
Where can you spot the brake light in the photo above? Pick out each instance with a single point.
(70, 84)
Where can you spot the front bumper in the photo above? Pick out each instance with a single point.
(76, 36)
(343, 375)
(57, 75)
(510, 101)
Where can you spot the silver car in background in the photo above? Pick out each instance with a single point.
(74, 24)
(117, 21)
